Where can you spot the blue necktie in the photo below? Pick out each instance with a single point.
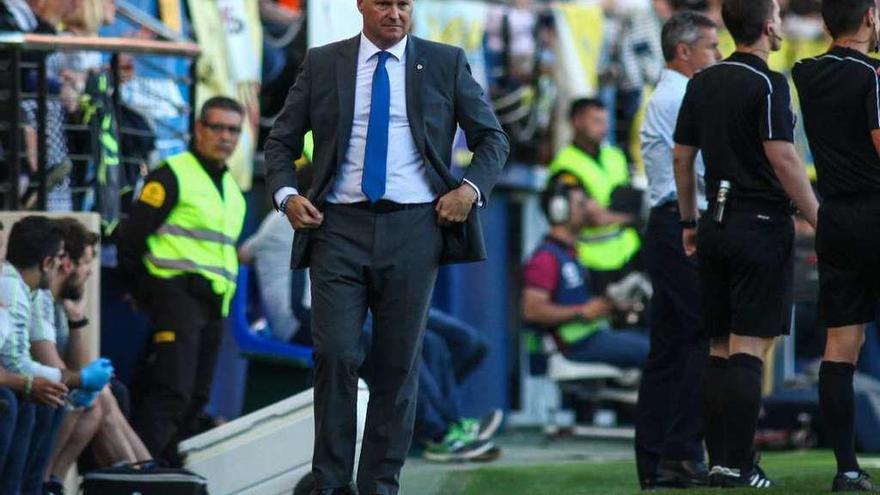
(376, 152)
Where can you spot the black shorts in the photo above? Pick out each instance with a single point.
(848, 246)
(746, 268)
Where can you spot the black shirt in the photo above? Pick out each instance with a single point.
(158, 197)
(840, 103)
(729, 111)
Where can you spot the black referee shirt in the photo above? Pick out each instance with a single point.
(840, 103)
(729, 111)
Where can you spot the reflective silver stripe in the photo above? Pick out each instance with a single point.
(189, 266)
(600, 237)
(199, 235)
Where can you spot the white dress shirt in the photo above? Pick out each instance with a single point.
(406, 171)
(657, 143)
(15, 349)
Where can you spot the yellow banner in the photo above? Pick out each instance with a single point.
(580, 34)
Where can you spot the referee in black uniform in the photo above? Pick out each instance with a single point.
(738, 113)
(841, 107)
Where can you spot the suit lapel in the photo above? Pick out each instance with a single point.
(346, 76)
(415, 68)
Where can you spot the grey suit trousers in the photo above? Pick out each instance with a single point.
(387, 263)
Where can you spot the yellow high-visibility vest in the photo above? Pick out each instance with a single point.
(600, 248)
(200, 233)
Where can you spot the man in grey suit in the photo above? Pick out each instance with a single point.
(383, 212)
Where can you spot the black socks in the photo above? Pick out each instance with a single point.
(838, 410)
(742, 387)
(713, 409)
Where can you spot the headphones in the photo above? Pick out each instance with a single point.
(557, 205)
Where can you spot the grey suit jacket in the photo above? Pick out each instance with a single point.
(440, 93)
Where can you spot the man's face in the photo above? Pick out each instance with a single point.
(50, 268)
(75, 283)
(591, 124)
(775, 28)
(217, 135)
(874, 24)
(386, 22)
(583, 210)
(704, 52)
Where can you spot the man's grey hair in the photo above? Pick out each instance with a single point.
(684, 27)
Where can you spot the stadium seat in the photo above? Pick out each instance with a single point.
(588, 382)
(255, 346)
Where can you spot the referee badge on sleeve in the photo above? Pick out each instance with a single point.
(153, 194)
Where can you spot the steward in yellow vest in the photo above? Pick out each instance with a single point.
(600, 169)
(177, 254)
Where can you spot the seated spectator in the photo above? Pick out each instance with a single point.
(557, 296)
(16, 410)
(451, 351)
(34, 255)
(282, 293)
(42, 17)
(449, 355)
(268, 249)
(57, 339)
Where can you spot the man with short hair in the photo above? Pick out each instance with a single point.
(35, 252)
(16, 416)
(840, 100)
(605, 249)
(382, 214)
(669, 432)
(559, 297)
(58, 339)
(177, 253)
(738, 113)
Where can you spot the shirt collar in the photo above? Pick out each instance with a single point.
(674, 76)
(843, 51)
(748, 59)
(8, 270)
(214, 168)
(368, 49)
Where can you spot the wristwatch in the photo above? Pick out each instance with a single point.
(688, 224)
(283, 205)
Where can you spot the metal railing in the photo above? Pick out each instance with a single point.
(24, 80)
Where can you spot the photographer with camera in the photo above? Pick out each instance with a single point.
(557, 295)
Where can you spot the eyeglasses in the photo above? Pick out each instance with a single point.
(218, 128)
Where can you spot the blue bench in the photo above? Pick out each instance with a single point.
(256, 346)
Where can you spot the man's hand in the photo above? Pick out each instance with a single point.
(598, 307)
(75, 310)
(96, 374)
(454, 206)
(689, 241)
(302, 214)
(48, 392)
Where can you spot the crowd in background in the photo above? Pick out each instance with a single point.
(56, 401)
(84, 171)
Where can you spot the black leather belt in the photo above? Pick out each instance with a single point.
(669, 206)
(385, 206)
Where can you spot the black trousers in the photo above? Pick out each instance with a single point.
(668, 418)
(387, 263)
(173, 382)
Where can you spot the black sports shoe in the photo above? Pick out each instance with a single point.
(681, 474)
(753, 479)
(716, 476)
(53, 487)
(862, 483)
